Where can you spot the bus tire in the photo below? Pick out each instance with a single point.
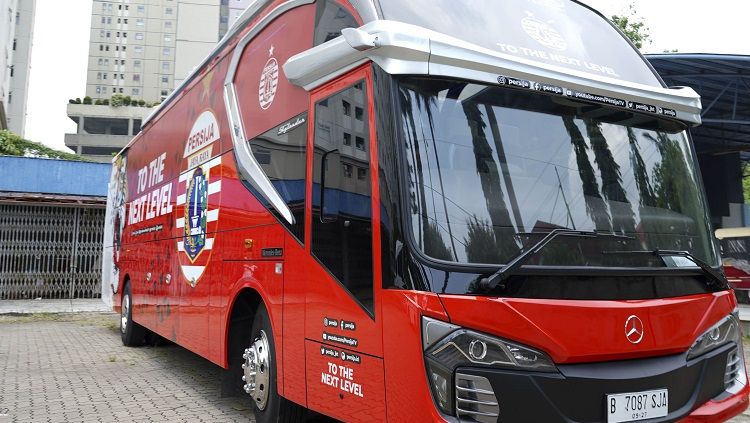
(259, 375)
(131, 333)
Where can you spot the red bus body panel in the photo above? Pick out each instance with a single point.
(189, 298)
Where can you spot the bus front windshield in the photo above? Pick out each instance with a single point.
(491, 168)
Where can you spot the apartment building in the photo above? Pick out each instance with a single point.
(16, 33)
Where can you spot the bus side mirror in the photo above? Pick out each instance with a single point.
(330, 186)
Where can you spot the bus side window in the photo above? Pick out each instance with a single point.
(330, 19)
(281, 153)
(342, 206)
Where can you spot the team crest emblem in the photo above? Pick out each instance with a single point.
(196, 214)
(198, 192)
(269, 81)
(544, 33)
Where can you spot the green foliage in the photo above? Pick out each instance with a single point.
(105, 102)
(127, 101)
(87, 100)
(141, 102)
(117, 100)
(98, 102)
(633, 27)
(746, 184)
(13, 145)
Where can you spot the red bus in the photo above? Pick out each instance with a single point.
(430, 210)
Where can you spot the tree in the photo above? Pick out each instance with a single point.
(13, 145)
(633, 27)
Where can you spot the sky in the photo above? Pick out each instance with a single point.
(62, 29)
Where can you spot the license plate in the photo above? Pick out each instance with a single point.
(634, 406)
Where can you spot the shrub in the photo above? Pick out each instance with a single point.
(141, 102)
(105, 102)
(98, 102)
(87, 100)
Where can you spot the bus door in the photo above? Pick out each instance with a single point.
(343, 345)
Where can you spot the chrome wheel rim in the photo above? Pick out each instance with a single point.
(124, 313)
(257, 370)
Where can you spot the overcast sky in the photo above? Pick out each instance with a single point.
(59, 55)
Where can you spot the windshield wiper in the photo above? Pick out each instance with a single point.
(491, 282)
(712, 273)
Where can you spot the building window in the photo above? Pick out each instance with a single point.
(12, 68)
(347, 138)
(141, 9)
(106, 62)
(167, 38)
(358, 112)
(137, 77)
(124, 35)
(348, 170)
(164, 93)
(106, 48)
(138, 35)
(109, 20)
(224, 19)
(119, 20)
(360, 143)
(114, 90)
(136, 91)
(139, 22)
(136, 63)
(101, 61)
(101, 47)
(139, 49)
(109, 34)
(104, 76)
(99, 75)
(165, 80)
(104, 20)
(121, 90)
(98, 89)
(122, 76)
(168, 11)
(101, 34)
(125, 21)
(167, 51)
(347, 108)
(361, 173)
(167, 24)
(124, 48)
(165, 66)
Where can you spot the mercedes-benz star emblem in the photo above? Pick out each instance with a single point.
(634, 329)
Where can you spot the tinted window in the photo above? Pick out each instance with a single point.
(281, 154)
(488, 166)
(342, 208)
(330, 20)
(555, 32)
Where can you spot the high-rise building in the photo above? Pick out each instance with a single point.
(141, 49)
(144, 48)
(16, 33)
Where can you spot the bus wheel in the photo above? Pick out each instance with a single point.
(259, 375)
(132, 333)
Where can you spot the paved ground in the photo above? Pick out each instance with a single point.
(73, 368)
(52, 306)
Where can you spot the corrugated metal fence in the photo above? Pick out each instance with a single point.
(49, 251)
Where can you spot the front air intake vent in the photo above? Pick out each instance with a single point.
(731, 374)
(475, 399)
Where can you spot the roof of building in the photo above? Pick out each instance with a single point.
(57, 179)
(723, 81)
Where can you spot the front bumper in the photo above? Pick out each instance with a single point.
(577, 393)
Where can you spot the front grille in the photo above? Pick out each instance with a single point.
(475, 399)
(734, 363)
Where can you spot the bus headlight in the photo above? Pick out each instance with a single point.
(447, 347)
(727, 330)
